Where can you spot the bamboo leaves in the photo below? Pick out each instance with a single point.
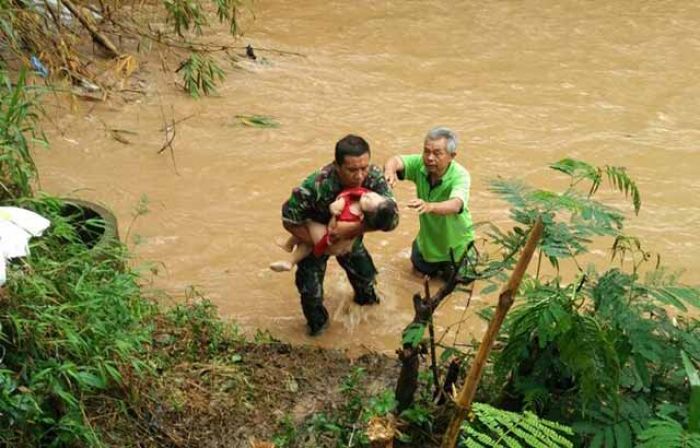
(257, 121)
(185, 14)
(18, 116)
(200, 74)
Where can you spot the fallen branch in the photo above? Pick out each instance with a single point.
(424, 308)
(96, 34)
(170, 132)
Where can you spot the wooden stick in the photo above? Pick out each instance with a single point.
(99, 37)
(407, 383)
(505, 301)
(431, 333)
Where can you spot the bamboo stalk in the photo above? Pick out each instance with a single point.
(505, 301)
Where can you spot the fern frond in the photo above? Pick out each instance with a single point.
(618, 177)
(668, 433)
(579, 170)
(513, 191)
(675, 295)
(498, 428)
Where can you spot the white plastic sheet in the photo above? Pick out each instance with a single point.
(17, 226)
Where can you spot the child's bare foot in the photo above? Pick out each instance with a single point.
(281, 266)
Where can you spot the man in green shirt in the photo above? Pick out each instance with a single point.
(442, 187)
(311, 201)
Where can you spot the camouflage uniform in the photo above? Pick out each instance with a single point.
(310, 201)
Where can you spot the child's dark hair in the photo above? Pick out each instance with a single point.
(383, 217)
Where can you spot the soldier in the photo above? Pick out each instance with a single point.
(311, 201)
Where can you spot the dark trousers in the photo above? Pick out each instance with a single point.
(311, 271)
(433, 269)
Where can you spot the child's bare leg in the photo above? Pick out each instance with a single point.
(317, 231)
(288, 245)
(301, 251)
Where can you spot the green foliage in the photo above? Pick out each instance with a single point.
(227, 11)
(562, 238)
(667, 433)
(694, 405)
(614, 424)
(617, 177)
(257, 121)
(550, 345)
(602, 351)
(18, 119)
(344, 426)
(491, 427)
(200, 73)
(185, 14)
(413, 334)
(189, 14)
(73, 323)
(198, 330)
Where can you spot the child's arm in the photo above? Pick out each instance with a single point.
(336, 208)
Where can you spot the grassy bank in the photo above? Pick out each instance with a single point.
(88, 360)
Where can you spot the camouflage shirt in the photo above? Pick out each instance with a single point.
(310, 200)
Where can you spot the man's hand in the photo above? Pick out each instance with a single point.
(392, 166)
(391, 178)
(420, 206)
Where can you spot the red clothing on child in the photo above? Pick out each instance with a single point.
(350, 195)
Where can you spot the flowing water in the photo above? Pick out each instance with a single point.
(523, 82)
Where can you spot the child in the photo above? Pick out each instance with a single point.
(352, 205)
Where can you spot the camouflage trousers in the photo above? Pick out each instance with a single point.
(311, 271)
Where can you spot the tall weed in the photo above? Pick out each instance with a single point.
(73, 325)
(18, 127)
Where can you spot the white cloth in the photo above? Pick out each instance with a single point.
(17, 226)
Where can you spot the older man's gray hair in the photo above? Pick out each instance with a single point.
(446, 133)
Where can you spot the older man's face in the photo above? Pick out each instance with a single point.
(435, 156)
(353, 171)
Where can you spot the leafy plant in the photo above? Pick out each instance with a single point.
(599, 351)
(617, 177)
(200, 73)
(226, 11)
(18, 119)
(185, 14)
(73, 322)
(668, 433)
(491, 427)
(257, 121)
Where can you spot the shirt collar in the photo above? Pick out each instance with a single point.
(424, 172)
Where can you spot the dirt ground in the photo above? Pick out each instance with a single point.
(241, 396)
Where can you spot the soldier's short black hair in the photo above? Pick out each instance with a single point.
(383, 217)
(350, 145)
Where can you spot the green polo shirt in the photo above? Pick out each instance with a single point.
(438, 233)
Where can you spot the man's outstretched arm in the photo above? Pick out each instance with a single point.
(391, 168)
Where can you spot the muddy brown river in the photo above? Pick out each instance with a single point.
(524, 83)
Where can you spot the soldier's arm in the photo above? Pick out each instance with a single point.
(298, 208)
